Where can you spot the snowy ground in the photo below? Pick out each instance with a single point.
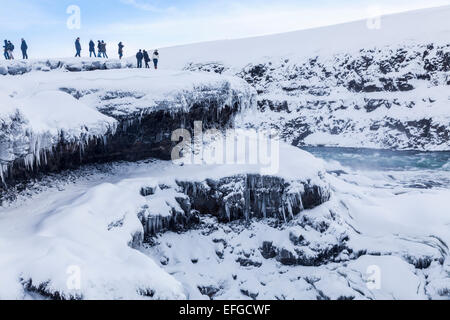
(390, 240)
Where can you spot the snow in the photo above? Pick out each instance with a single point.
(393, 223)
(94, 224)
(94, 228)
(398, 280)
(41, 245)
(405, 28)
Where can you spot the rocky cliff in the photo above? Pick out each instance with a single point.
(391, 97)
(72, 119)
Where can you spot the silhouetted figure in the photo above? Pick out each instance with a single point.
(10, 50)
(24, 48)
(5, 50)
(146, 59)
(104, 50)
(99, 49)
(78, 48)
(139, 57)
(155, 58)
(92, 49)
(121, 46)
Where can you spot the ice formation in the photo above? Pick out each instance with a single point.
(103, 115)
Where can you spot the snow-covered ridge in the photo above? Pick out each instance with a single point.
(409, 28)
(20, 67)
(95, 114)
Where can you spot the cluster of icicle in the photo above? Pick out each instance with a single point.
(240, 197)
(41, 146)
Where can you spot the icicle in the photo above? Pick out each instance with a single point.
(3, 169)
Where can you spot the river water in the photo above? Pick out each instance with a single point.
(412, 169)
(390, 160)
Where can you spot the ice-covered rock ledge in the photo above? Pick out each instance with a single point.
(20, 67)
(61, 120)
(234, 191)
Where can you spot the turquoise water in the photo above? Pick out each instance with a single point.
(369, 159)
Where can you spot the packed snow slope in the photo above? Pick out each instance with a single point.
(345, 85)
(57, 119)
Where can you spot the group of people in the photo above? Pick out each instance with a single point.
(101, 49)
(143, 55)
(8, 50)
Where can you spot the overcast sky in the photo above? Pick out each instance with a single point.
(158, 23)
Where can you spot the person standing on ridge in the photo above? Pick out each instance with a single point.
(139, 57)
(10, 50)
(92, 49)
(99, 49)
(146, 59)
(78, 48)
(5, 50)
(155, 58)
(121, 46)
(24, 48)
(104, 49)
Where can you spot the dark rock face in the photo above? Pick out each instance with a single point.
(240, 197)
(134, 139)
(253, 196)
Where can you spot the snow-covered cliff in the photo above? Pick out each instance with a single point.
(344, 85)
(57, 120)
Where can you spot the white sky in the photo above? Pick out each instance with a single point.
(161, 23)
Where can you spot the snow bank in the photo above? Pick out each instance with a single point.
(81, 250)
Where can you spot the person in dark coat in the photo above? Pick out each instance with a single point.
(155, 58)
(121, 46)
(139, 57)
(10, 50)
(5, 50)
(92, 49)
(24, 48)
(146, 59)
(104, 49)
(99, 49)
(78, 48)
